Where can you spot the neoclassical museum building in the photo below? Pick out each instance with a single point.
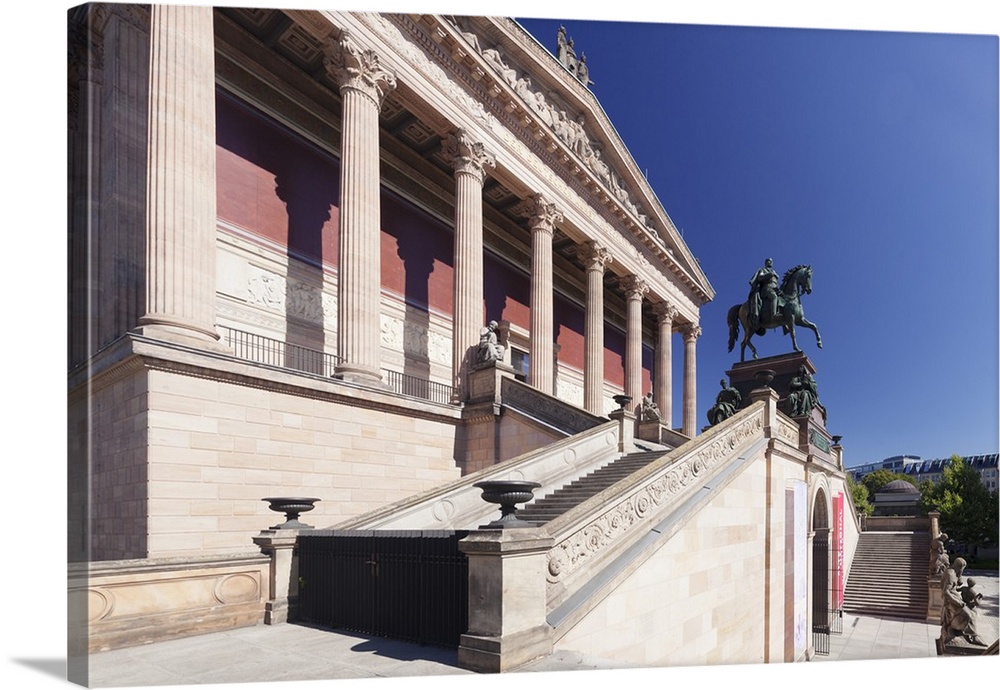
(290, 232)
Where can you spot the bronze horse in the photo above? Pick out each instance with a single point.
(796, 282)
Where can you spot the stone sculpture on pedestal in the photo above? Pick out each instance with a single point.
(958, 616)
(726, 403)
(490, 349)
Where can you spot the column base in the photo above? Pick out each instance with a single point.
(179, 331)
(360, 374)
(495, 654)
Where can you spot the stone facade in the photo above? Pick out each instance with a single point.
(287, 229)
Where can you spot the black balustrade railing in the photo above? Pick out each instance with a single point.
(405, 384)
(278, 353)
(405, 585)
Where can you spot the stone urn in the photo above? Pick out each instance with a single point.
(764, 377)
(622, 401)
(507, 493)
(292, 507)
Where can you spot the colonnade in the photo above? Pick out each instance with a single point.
(181, 227)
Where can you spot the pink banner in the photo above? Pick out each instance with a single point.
(838, 551)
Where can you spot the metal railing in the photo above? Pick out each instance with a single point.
(405, 585)
(405, 384)
(278, 353)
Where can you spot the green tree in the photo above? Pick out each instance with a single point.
(874, 481)
(859, 494)
(968, 510)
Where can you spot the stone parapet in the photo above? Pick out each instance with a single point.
(116, 604)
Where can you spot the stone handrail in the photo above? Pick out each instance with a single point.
(547, 408)
(459, 505)
(611, 521)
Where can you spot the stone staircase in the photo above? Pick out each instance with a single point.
(576, 492)
(888, 576)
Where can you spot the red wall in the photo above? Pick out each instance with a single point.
(275, 184)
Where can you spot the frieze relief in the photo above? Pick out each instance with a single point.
(661, 490)
(414, 340)
(290, 297)
(569, 128)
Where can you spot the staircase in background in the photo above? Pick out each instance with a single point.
(576, 492)
(888, 576)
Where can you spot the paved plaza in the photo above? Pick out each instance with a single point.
(297, 652)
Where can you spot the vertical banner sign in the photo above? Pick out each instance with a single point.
(838, 555)
(801, 545)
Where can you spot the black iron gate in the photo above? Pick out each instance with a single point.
(403, 584)
(821, 592)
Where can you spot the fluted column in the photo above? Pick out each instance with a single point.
(180, 177)
(363, 85)
(663, 393)
(470, 159)
(635, 289)
(690, 425)
(544, 216)
(595, 257)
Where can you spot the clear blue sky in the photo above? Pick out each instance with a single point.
(871, 156)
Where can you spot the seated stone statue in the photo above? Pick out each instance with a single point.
(726, 403)
(802, 395)
(650, 411)
(958, 618)
(490, 349)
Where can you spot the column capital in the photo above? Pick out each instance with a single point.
(353, 67)
(692, 332)
(542, 214)
(665, 312)
(467, 155)
(634, 286)
(594, 256)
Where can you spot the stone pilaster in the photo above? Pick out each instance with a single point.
(635, 289)
(180, 177)
(363, 85)
(663, 391)
(544, 217)
(595, 257)
(470, 159)
(690, 425)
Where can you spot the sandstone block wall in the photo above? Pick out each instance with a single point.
(217, 448)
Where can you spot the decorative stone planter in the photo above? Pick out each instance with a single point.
(507, 493)
(292, 508)
(622, 401)
(764, 377)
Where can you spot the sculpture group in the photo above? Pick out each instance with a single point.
(566, 54)
(770, 305)
(959, 603)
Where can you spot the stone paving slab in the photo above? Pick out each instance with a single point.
(299, 652)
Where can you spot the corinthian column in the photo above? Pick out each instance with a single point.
(470, 159)
(595, 257)
(544, 217)
(635, 288)
(691, 334)
(363, 85)
(663, 394)
(180, 177)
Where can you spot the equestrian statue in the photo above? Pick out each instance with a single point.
(771, 306)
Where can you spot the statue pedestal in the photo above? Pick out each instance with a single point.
(743, 377)
(657, 431)
(485, 380)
